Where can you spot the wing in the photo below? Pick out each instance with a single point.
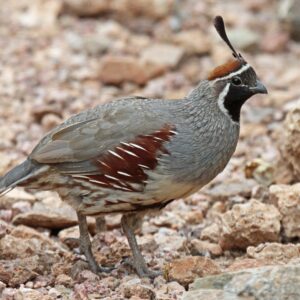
(113, 148)
(95, 131)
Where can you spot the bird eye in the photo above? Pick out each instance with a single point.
(236, 80)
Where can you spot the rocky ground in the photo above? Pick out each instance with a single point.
(238, 238)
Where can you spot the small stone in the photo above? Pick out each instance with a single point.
(12, 247)
(287, 199)
(193, 42)
(14, 196)
(248, 263)
(42, 219)
(69, 235)
(21, 207)
(288, 12)
(249, 224)
(2, 287)
(185, 270)
(113, 221)
(199, 247)
(244, 38)
(87, 8)
(169, 219)
(50, 212)
(275, 42)
(268, 283)
(24, 242)
(170, 290)
(154, 9)
(289, 143)
(136, 288)
(211, 233)
(38, 112)
(87, 275)
(165, 55)
(274, 251)
(193, 217)
(18, 271)
(218, 208)
(26, 293)
(261, 171)
(119, 69)
(64, 280)
(224, 191)
(168, 240)
(49, 121)
(54, 293)
(5, 228)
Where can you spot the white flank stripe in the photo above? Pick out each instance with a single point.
(125, 144)
(143, 166)
(137, 146)
(98, 181)
(111, 177)
(81, 176)
(128, 152)
(174, 132)
(241, 70)
(123, 173)
(122, 188)
(158, 139)
(104, 164)
(115, 154)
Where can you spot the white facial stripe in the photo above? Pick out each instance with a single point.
(238, 72)
(221, 99)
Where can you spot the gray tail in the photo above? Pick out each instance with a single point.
(19, 174)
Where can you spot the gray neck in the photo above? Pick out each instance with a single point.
(209, 137)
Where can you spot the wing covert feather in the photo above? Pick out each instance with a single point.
(79, 139)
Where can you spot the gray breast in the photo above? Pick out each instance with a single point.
(201, 151)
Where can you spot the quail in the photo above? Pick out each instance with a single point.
(137, 154)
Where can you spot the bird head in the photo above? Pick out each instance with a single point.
(235, 81)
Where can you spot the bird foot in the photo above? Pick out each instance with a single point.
(141, 269)
(97, 269)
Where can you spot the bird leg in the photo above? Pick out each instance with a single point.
(86, 246)
(100, 224)
(129, 222)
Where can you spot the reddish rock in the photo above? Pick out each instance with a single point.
(248, 263)
(199, 247)
(164, 55)
(185, 270)
(119, 69)
(274, 251)
(289, 142)
(249, 224)
(287, 200)
(43, 219)
(136, 288)
(211, 233)
(153, 9)
(18, 271)
(86, 7)
(193, 42)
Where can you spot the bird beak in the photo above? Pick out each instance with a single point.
(259, 88)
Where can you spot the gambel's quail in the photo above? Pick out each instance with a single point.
(137, 154)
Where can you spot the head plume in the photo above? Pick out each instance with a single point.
(236, 63)
(220, 27)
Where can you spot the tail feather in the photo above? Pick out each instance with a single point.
(19, 174)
